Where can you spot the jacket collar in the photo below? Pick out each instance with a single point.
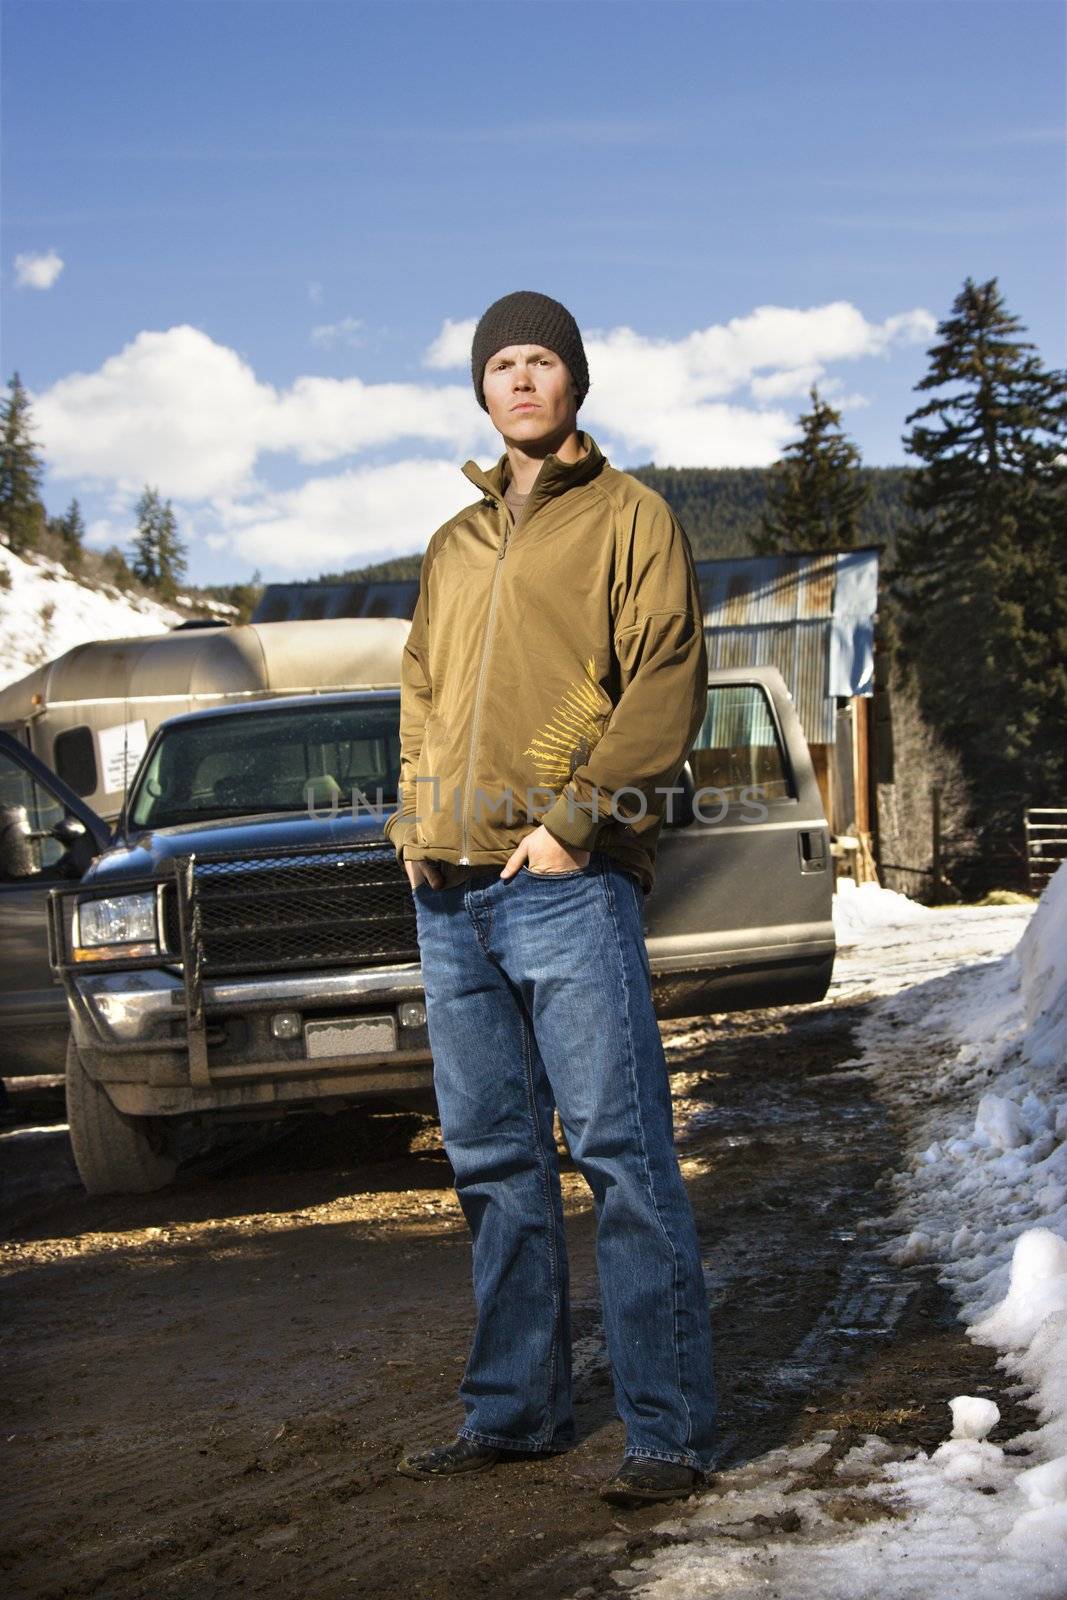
(553, 478)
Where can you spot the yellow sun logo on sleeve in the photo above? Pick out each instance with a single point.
(566, 740)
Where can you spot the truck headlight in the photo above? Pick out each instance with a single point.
(122, 925)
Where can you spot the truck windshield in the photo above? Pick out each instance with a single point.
(288, 759)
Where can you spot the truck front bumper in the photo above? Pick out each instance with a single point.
(165, 1036)
(131, 1029)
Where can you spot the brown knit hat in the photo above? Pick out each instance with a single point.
(526, 317)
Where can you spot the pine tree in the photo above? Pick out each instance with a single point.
(170, 554)
(981, 576)
(22, 515)
(815, 494)
(143, 559)
(158, 553)
(72, 534)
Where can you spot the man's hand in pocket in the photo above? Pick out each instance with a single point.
(424, 872)
(541, 851)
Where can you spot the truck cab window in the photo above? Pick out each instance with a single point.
(270, 760)
(738, 745)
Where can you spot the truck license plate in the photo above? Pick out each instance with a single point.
(350, 1036)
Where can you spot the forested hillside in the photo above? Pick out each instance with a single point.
(720, 507)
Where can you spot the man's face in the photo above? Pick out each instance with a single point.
(530, 393)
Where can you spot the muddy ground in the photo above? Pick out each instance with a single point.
(207, 1390)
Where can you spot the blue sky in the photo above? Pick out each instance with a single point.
(244, 241)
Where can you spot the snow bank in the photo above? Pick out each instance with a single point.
(1042, 963)
(859, 907)
(974, 1066)
(985, 1199)
(46, 612)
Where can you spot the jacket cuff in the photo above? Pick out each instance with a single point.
(398, 830)
(570, 824)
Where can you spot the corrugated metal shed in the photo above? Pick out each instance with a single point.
(809, 615)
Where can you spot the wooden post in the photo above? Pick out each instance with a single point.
(935, 808)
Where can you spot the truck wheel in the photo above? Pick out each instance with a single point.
(114, 1153)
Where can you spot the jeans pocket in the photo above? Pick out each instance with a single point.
(569, 872)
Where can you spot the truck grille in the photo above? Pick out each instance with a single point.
(347, 906)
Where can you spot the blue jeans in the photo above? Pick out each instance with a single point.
(538, 995)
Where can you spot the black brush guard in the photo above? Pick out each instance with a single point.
(252, 912)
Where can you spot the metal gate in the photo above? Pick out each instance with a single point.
(1045, 832)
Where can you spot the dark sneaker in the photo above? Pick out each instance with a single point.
(444, 1460)
(641, 1480)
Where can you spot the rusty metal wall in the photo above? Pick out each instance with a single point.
(800, 651)
(782, 610)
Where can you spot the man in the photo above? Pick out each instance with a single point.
(554, 679)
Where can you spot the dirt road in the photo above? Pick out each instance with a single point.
(207, 1389)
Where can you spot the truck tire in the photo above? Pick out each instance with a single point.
(114, 1153)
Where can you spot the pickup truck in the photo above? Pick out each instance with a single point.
(244, 944)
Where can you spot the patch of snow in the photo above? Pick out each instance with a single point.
(873, 1452)
(916, 1246)
(999, 1122)
(859, 907)
(973, 1417)
(1037, 1290)
(45, 612)
(217, 608)
(968, 1047)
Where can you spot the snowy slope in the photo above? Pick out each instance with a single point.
(46, 612)
(972, 1058)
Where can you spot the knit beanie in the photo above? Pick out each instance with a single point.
(526, 317)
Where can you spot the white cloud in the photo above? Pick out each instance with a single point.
(347, 519)
(452, 347)
(315, 293)
(347, 331)
(179, 411)
(38, 272)
(781, 385)
(668, 399)
(172, 409)
(321, 419)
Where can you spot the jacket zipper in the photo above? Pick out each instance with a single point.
(464, 860)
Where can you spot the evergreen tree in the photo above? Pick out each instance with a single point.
(22, 515)
(981, 576)
(815, 494)
(143, 562)
(72, 533)
(170, 554)
(158, 553)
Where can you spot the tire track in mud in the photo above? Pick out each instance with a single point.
(209, 1388)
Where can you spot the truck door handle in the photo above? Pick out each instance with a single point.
(812, 847)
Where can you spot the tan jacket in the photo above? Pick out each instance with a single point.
(553, 667)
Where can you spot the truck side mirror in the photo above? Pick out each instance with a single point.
(74, 836)
(69, 831)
